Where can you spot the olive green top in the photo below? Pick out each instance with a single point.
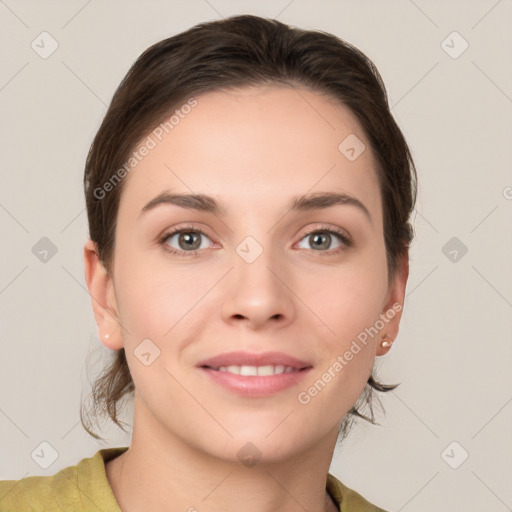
(85, 488)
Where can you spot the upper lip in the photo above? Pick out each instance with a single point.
(241, 358)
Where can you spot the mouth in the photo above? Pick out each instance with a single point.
(255, 381)
(259, 374)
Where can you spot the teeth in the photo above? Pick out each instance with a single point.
(250, 371)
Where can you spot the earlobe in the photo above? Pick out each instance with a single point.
(104, 306)
(394, 306)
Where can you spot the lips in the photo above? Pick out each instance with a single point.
(240, 358)
(255, 375)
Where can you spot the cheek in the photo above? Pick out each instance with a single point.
(154, 295)
(349, 299)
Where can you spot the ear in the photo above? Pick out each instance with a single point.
(394, 304)
(102, 293)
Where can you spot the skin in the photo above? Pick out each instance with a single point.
(252, 149)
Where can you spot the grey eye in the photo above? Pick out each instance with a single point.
(187, 240)
(321, 240)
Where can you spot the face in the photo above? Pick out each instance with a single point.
(257, 275)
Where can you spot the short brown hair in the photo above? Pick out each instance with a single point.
(235, 52)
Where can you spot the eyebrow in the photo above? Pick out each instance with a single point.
(300, 203)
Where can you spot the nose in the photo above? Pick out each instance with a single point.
(258, 295)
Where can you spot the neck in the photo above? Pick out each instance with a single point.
(160, 472)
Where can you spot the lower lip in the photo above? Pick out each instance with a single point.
(256, 386)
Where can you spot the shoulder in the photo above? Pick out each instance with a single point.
(77, 488)
(40, 493)
(347, 499)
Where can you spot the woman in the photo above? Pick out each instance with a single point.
(248, 196)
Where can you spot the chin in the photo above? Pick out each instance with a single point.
(256, 445)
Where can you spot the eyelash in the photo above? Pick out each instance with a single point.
(322, 229)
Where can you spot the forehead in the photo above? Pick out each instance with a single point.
(244, 144)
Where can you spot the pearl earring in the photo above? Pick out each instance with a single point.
(385, 343)
(107, 336)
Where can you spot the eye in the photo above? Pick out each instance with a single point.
(321, 240)
(188, 240)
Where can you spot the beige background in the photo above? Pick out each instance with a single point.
(454, 352)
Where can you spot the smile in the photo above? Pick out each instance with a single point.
(255, 381)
